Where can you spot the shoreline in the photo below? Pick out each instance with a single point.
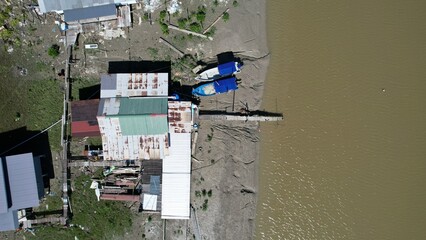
(228, 153)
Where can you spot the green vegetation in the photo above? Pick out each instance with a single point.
(197, 193)
(79, 83)
(205, 205)
(211, 32)
(91, 219)
(182, 22)
(225, 16)
(164, 28)
(204, 192)
(53, 50)
(215, 3)
(235, 4)
(163, 15)
(201, 14)
(195, 27)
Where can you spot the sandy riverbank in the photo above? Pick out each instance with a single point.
(227, 153)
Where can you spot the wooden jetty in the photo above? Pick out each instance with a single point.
(85, 163)
(256, 116)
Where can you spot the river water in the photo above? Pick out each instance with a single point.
(349, 161)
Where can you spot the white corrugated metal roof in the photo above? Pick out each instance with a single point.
(175, 198)
(179, 159)
(176, 184)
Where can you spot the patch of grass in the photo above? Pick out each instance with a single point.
(225, 17)
(195, 27)
(163, 15)
(205, 205)
(164, 28)
(182, 22)
(201, 14)
(215, 3)
(53, 50)
(153, 52)
(100, 220)
(211, 32)
(80, 83)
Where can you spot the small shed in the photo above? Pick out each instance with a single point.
(21, 186)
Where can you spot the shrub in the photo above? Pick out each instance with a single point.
(209, 193)
(195, 27)
(182, 22)
(215, 3)
(163, 15)
(53, 51)
(225, 16)
(211, 32)
(235, 4)
(164, 28)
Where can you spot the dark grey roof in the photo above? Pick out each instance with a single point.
(3, 194)
(154, 185)
(22, 181)
(89, 12)
(9, 220)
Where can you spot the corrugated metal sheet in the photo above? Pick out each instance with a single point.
(143, 124)
(85, 110)
(179, 158)
(134, 85)
(175, 196)
(117, 146)
(145, 105)
(60, 5)
(3, 191)
(9, 221)
(22, 179)
(76, 14)
(84, 129)
(180, 116)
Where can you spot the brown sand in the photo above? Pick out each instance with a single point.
(228, 162)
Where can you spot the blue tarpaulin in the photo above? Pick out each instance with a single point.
(227, 68)
(225, 85)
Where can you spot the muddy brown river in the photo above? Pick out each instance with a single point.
(349, 161)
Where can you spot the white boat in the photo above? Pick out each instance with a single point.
(222, 70)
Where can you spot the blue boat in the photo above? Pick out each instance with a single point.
(222, 70)
(216, 87)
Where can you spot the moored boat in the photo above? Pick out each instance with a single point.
(216, 87)
(222, 70)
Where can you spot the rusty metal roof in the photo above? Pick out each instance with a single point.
(134, 85)
(180, 116)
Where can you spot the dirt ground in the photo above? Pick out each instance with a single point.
(224, 176)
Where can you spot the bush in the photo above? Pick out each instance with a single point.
(164, 28)
(225, 17)
(182, 22)
(211, 32)
(201, 14)
(163, 15)
(53, 51)
(235, 4)
(195, 27)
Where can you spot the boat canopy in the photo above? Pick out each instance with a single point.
(225, 85)
(227, 68)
